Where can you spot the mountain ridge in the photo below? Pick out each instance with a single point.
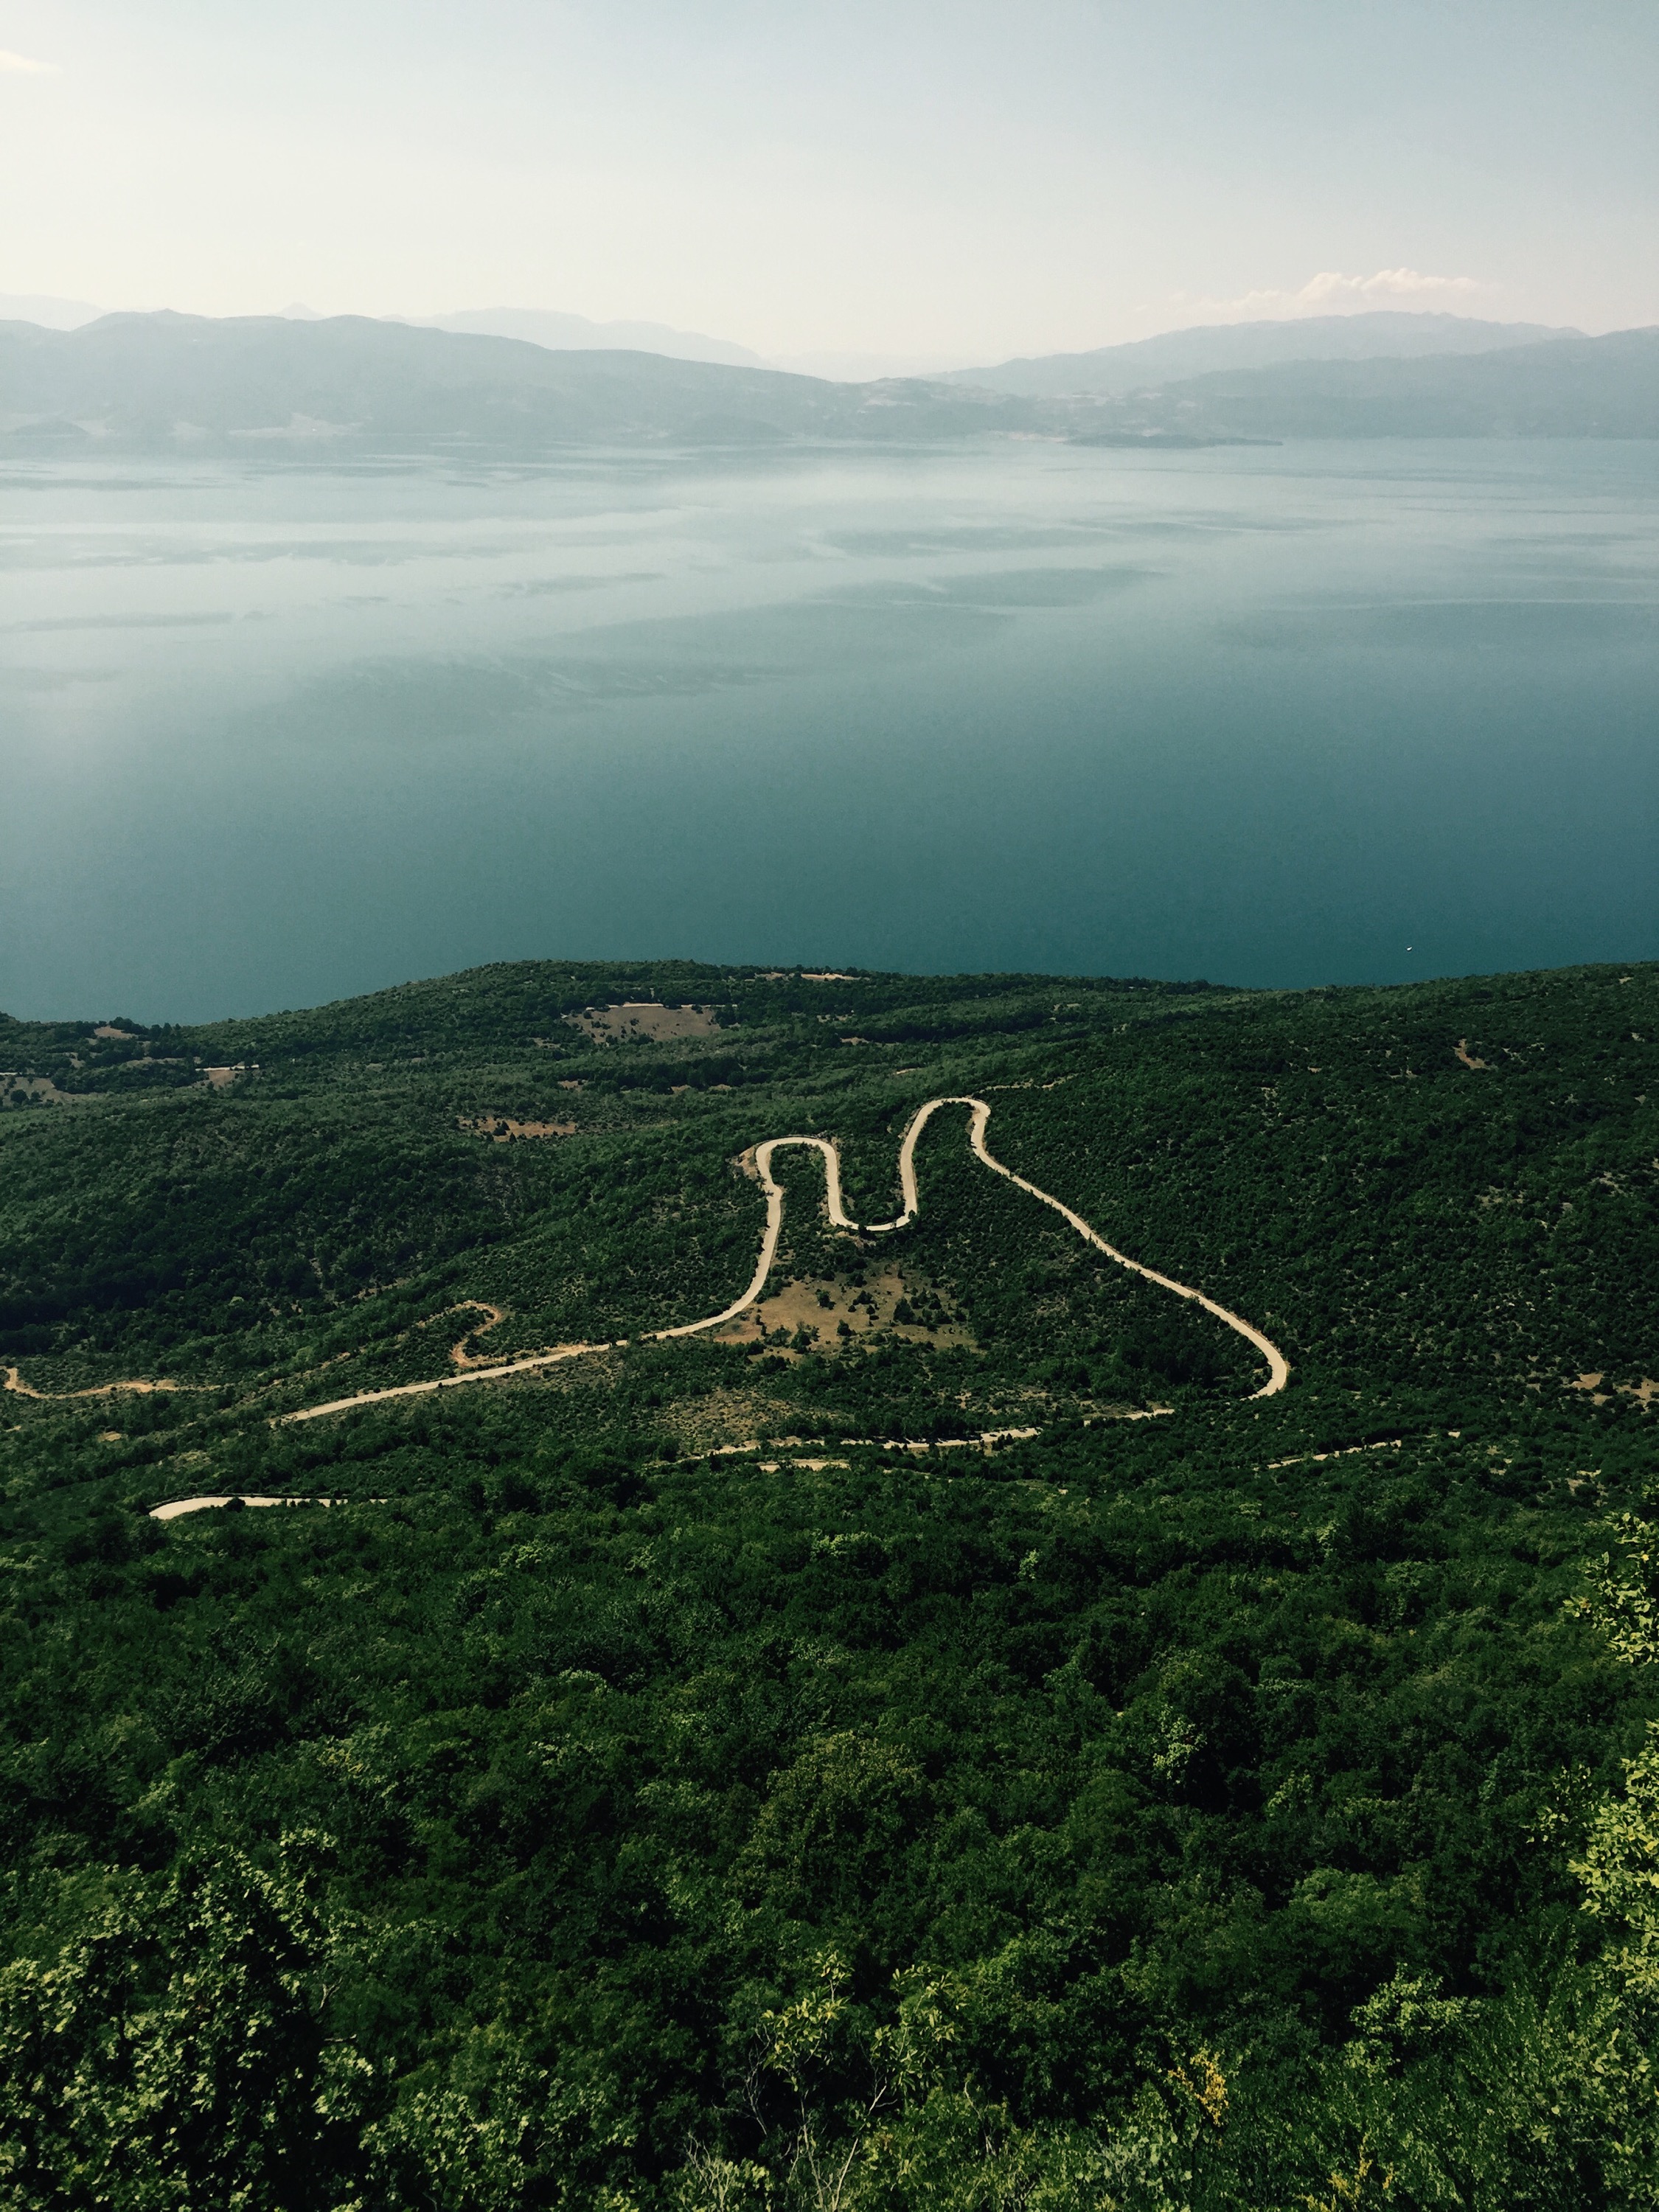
(558, 331)
(1175, 355)
(1605, 386)
(171, 383)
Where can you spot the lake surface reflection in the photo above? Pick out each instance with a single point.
(1312, 714)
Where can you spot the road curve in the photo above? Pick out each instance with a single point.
(1278, 1368)
(1278, 1371)
(11, 1380)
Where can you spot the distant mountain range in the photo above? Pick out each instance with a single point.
(348, 383)
(1567, 387)
(182, 383)
(46, 309)
(1113, 371)
(539, 326)
(574, 333)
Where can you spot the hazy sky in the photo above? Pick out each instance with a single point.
(960, 178)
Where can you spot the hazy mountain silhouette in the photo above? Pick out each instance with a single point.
(44, 308)
(181, 383)
(538, 326)
(170, 382)
(575, 333)
(1210, 347)
(1573, 387)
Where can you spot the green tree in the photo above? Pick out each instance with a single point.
(169, 2050)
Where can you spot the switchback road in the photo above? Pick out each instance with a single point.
(1278, 1371)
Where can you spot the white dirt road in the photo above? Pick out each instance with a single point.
(1278, 1371)
(13, 1381)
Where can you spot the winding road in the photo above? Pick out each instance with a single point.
(1278, 1370)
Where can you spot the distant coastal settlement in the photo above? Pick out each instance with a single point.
(936, 1716)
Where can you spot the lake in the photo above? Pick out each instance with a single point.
(1312, 714)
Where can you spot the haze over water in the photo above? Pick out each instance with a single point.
(1323, 713)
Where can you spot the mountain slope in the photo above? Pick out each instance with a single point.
(1603, 387)
(167, 382)
(693, 1760)
(1380, 1273)
(1382, 333)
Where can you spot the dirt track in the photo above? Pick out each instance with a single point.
(1278, 1371)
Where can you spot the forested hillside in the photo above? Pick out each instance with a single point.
(939, 1738)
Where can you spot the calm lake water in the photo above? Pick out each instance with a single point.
(1312, 714)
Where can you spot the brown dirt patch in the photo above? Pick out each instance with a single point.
(15, 1090)
(838, 1315)
(644, 1017)
(1603, 1387)
(501, 1128)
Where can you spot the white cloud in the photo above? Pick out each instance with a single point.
(20, 65)
(1331, 292)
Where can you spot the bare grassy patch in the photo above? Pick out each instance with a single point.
(502, 1128)
(638, 1018)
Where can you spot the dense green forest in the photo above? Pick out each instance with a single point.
(944, 1740)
